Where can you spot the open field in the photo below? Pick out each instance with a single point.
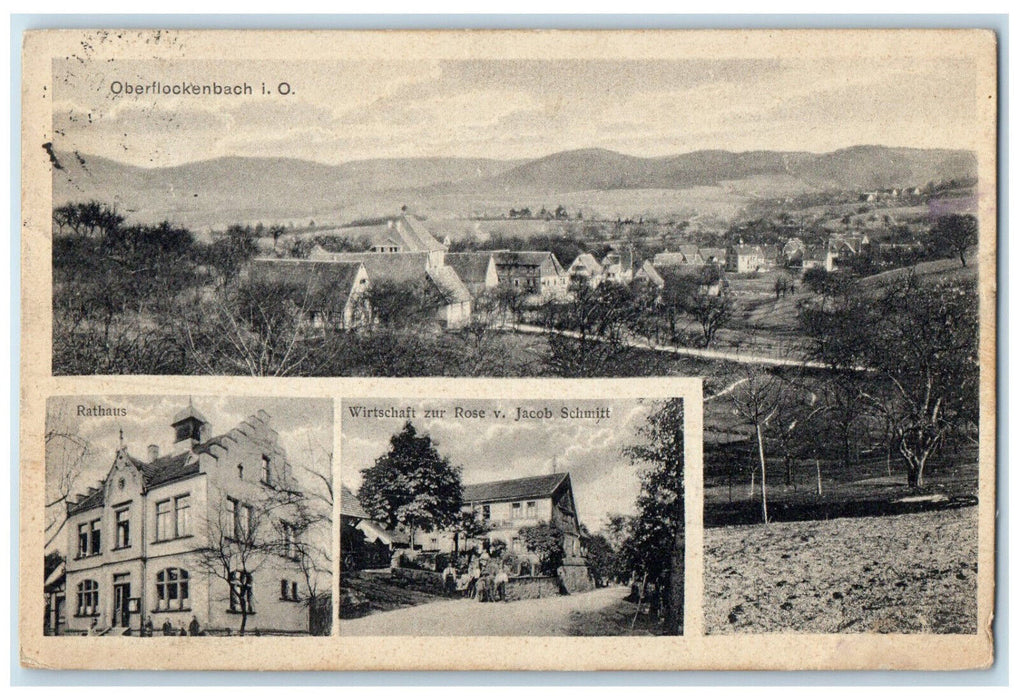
(895, 574)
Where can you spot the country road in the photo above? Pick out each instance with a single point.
(702, 353)
(466, 617)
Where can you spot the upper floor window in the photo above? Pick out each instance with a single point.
(289, 534)
(123, 527)
(530, 509)
(83, 540)
(95, 537)
(173, 517)
(164, 522)
(486, 512)
(266, 471)
(182, 515)
(173, 589)
(515, 510)
(240, 517)
(288, 590)
(88, 597)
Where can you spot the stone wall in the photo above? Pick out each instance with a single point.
(528, 587)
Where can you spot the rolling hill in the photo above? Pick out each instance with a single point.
(239, 189)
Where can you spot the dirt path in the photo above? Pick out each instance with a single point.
(464, 617)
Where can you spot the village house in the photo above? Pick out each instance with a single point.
(746, 258)
(648, 274)
(538, 274)
(334, 291)
(617, 266)
(686, 255)
(364, 542)
(585, 269)
(415, 256)
(713, 256)
(135, 543)
(477, 270)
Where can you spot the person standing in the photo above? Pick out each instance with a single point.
(501, 580)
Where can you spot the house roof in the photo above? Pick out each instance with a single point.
(407, 232)
(393, 267)
(472, 268)
(160, 471)
(449, 284)
(588, 262)
(527, 487)
(708, 253)
(647, 270)
(350, 506)
(338, 276)
(188, 411)
(527, 258)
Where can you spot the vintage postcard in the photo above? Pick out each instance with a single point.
(626, 349)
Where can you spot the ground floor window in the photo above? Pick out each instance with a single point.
(241, 592)
(173, 589)
(288, 590)
(88, 597)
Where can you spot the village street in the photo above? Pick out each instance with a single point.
(702, 353)
(559, 615)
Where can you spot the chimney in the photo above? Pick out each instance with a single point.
(153, 453)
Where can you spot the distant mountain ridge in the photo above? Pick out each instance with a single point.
(252, 188)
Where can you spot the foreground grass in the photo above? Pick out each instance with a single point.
(893, 574)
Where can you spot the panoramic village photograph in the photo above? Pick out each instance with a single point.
(188, 516)
(800, 233)
(505, 518)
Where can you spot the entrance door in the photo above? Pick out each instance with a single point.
(121, 598)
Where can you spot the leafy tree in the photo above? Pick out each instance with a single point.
(955, 233)
(656, 543)
(412, 486)
(545, 540)
(90, 219)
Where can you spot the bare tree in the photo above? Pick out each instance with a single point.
(756, 402)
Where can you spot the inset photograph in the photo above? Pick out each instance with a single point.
(188, 516)
(512, 517)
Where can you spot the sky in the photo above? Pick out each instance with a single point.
(344, 110)
(304, 425)
(488, 449)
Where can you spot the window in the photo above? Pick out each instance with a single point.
(239, 518)
(516, 545)
(182, 515)
(289, 533)
(123, 528)
(96, 541)
(172, 589)
(288, 590)
(88, 597)
(164, 523)
(515, 509)
(266, 471)
(83, 540)
(530, 509)
(486, 512)
(240, 592)
(240, 471)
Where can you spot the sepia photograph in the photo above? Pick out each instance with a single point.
(506, 518)
(188, 516)
(492, 253)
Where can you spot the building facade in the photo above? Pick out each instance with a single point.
(154, 541)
